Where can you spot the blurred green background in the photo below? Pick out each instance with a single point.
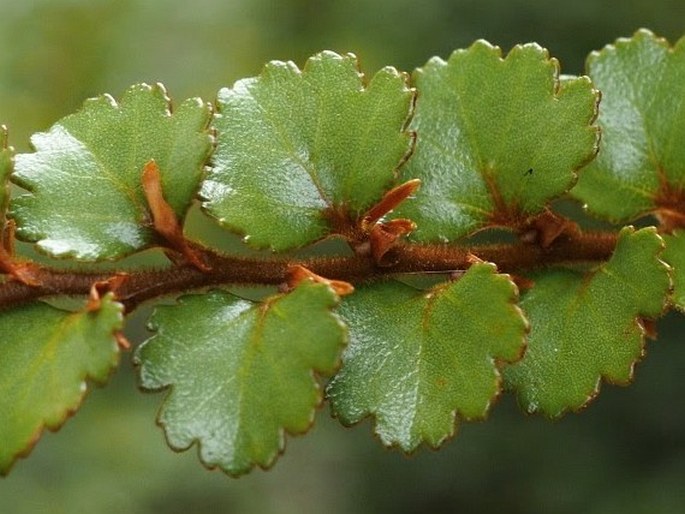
(625, 454)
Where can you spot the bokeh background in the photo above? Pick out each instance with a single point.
(624, 454)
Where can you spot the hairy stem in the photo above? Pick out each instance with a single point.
(133, 288)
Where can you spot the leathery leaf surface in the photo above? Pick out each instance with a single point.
(586, 327)
(295, 145)
(48, 355)
(497, 138)
(417, 360)
(641, 163)
(241, 374)
(674, 255)
(85, 197)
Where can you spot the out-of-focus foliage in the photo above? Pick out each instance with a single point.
(56, 53)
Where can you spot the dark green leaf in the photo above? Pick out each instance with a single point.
(417, 359)
(586, 327)
(496, 138)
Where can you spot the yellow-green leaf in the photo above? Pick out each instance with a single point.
(674, 254)
(47, 357)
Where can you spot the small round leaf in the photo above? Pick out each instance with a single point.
(497, 138)
(641, 164)
(85, 196)
(418, 359)
(586, 327)
(297, 150)
(241, 373)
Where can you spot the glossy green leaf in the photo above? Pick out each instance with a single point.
(241, 374)
(418, 359)
(642, 118)
(293, 146)
(674, 255)
(496, 138)
(47, 357)
(86, 199)
(586, 327)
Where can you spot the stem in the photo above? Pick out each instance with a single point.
(140, 286)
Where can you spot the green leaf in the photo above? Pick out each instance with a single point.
(586, 327)
(241, 373)
(296, 148)
(417, 359)
(47, 357)
(496, 138)
(674, 254)
(86, 199)
(642, 118)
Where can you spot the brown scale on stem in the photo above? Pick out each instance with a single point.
(164, 217)
(19, 270)
(544, 229)
(670, 204)
(369, 234)
(297, 274)
(390, 200)
(139, 286)
(378, 236)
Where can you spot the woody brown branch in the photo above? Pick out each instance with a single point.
(223, 270)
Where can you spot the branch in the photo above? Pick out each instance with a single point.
(134, 288)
